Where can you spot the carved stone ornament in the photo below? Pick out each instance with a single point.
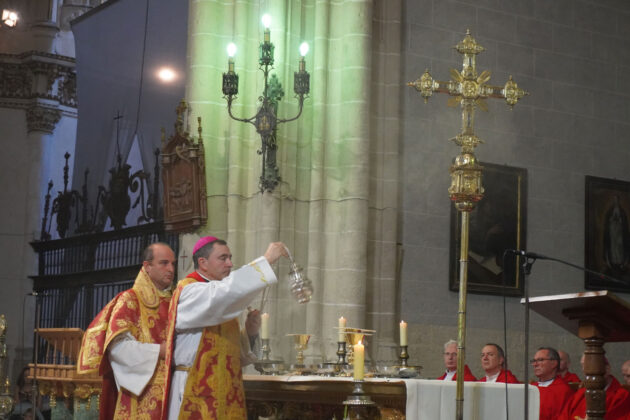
(184, 177)
(41, 118)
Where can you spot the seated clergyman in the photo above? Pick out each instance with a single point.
(554, 392)
(565, 364)
(450, 363)
(493, 363)
(617, 399)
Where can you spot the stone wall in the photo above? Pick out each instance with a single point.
(573, 57)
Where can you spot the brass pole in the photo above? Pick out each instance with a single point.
(461, 315)
(469, 90)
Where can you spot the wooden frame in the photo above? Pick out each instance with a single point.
(607, 234)
(498, 222)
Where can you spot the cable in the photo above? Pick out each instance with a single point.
(144, 47)
(505, 350)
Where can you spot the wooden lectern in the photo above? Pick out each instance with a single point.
(595, 317)
(58, 377)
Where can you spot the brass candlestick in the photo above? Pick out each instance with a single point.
(403, 356)
(358, 396)
(266, 349)
(341, 353)
(360, 405)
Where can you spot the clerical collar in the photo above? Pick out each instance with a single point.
(204, 277)
(546, 383)
(449, 375)
(493, 378)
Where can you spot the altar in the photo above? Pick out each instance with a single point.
(315, 397)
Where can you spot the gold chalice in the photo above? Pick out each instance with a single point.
(354, 336)
(301, 344)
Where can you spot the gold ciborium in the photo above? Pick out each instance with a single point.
(354, 336)
(301, 344)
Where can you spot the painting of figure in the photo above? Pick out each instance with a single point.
(607, 232)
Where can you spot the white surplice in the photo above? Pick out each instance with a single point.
(133, 363)
(203, 305)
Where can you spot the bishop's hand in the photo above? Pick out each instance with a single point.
(252, 323)
(275, 250)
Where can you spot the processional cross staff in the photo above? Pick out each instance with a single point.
(469, 90)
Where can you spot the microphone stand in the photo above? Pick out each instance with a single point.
(529, 260)
(527, 264)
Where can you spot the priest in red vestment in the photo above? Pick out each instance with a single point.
(493, 363)
(563, 371)
(450, 363)
(125, 343)
(205, 347)
(554, 392)
(625, 372)
(617, 400)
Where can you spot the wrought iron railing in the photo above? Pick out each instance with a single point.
(77, 276)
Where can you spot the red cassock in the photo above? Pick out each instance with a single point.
(511, 379)
(468, 376)
(617, 403)
(553, 398)
(570, 377)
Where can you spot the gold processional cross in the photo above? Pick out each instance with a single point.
(470, 90)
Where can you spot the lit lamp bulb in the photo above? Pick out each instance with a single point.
(266, 21)
(230, 79)
(301, 84)
(303, 52)
(9, 18)
(231, 51)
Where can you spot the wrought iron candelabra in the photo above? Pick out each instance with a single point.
(266, 119)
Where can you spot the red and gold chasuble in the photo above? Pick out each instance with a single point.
(214, 388)
(141, 311)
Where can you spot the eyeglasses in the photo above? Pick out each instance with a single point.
(533, 361)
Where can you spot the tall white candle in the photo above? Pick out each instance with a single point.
(342, 325)
(403, 333)
(264, 328)
(359, 361)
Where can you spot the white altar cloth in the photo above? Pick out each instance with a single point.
(430, 399)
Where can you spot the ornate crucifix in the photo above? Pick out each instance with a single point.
(469, 90)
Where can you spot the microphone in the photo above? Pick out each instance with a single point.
(527, 254)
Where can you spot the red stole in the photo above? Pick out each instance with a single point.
(143, 312)
(214, 388)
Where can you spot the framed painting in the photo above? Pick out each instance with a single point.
(607, 247)
(498, 222)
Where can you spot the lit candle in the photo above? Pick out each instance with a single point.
(264, 328)
(231, 50)
(359, 361)
(342, 326)
(266, 21)
(403, 333)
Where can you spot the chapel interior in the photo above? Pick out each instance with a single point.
(354, 178)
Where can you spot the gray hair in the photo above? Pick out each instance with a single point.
(552, 354)
(448, 343)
